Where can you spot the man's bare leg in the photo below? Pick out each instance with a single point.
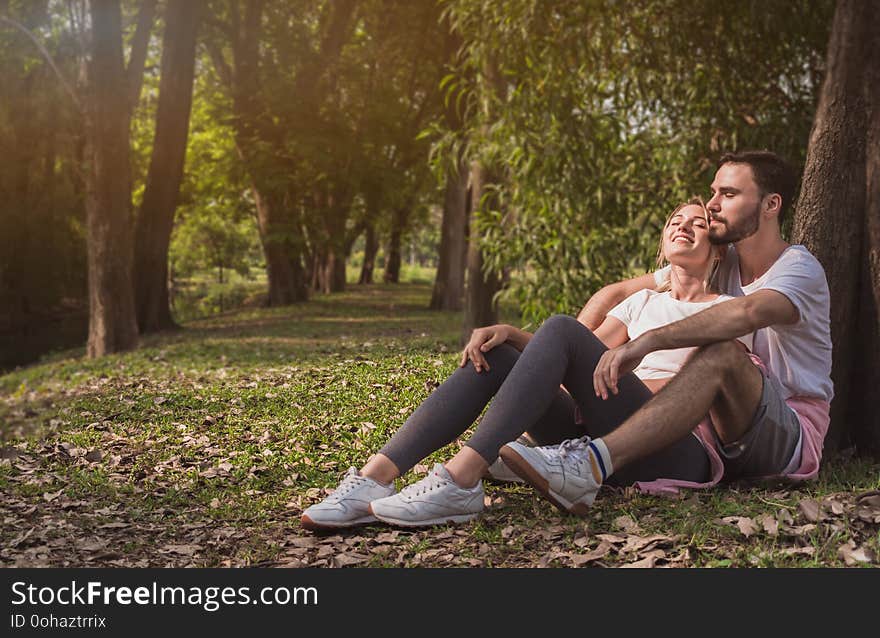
(719, 379)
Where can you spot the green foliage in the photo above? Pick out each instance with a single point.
(42, 238)
(611, 114)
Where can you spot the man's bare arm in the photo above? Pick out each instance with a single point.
(722, 322)
(593, 313)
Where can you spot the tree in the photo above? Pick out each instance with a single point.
(112, 323)
(838, 217)
(483, 280)
(275, 81)
(156, 216)
(448, 292)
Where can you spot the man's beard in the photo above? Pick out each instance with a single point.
(732, 234)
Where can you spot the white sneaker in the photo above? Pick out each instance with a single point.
(567, 474)
(499, 471)
(348, 505)
(434, 500)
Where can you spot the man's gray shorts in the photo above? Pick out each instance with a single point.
(766, 449)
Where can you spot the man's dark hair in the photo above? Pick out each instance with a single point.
(772, 174)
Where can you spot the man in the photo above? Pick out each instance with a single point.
(758, 415)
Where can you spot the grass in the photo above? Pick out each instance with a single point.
(203, 446)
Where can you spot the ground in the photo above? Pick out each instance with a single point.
(203, 447)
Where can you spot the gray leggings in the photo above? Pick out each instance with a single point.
(528, 398)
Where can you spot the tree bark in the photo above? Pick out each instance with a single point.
(140, 43)
(156, 218)
(284, 269)
(112, 325)
(837, 215)
(480, 307)
(448, 293)
(393, 254)
(371, 248)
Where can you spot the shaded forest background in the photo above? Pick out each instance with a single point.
(169, 159)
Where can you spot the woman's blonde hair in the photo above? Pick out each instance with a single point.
(709, 284)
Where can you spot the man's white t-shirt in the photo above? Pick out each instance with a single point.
(798, 356)
(649, 309)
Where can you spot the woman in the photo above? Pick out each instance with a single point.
(524, 372)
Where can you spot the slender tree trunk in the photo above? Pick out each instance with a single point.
(448, 293)
(140, 44)
(156, 218)
(837, 218)
(371, 248)
(480, 307)
(112, 325)
(393, 254)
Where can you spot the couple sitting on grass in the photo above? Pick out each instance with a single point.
(661, 382)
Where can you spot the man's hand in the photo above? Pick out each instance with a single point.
(615, 363)
(482, 340)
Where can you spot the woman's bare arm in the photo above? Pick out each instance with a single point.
(596, 309)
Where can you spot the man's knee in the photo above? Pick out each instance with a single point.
(722, 357)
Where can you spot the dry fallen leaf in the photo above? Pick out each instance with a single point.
(184, 550)
(852, 555)
(639, 543)
(746, 525)
(770, 525)
(601, 551)
(627, 524)
(648, 561)
(350, 558)
(811, 510)
(868, 508)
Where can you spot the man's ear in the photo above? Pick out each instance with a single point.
(772, 204)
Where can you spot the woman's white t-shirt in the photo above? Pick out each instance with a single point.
(798, 356)
(649, 309)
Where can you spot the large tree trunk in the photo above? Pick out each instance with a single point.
(448, 293)
(112, 325)
(284, 269)
(837, 218)
(480, 307)
(156, 218)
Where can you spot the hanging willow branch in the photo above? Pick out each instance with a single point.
(67, 87)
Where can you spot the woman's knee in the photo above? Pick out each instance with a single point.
(561, 323)
(502, 355)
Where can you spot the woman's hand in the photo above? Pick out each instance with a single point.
(482, 340)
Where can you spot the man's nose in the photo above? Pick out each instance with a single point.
(713, 204)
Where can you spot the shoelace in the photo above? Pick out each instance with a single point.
(575, 450)
(350, 482)
(427, 484)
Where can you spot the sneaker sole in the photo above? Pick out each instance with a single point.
(309, 524)
(442, 520)
(525, 470)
